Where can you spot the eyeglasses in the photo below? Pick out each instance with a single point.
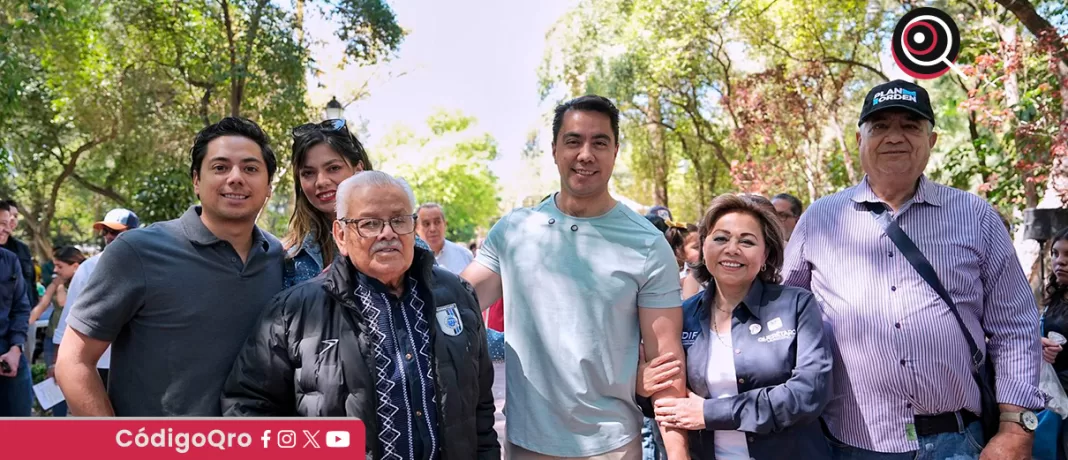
(328, 126)
(371, 227)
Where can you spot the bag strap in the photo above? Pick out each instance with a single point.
(926, 271)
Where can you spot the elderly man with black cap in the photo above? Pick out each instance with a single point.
(115, 222)
(914, 277)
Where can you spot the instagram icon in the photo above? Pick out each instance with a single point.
(287, 439)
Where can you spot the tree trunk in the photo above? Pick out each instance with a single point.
(658, 153)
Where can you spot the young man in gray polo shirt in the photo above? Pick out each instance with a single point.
(177, 299)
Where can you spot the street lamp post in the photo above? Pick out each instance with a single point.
(334, 110)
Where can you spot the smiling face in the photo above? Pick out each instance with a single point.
(322, 171)
(585, 153)
(232, 183)
(735, 250)
(895, 146)
(387, 255)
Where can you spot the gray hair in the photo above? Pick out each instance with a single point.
(368, 179)
(432, 205)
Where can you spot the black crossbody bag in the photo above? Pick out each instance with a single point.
(982, 370)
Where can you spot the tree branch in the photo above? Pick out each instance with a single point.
(234, 108)
(250, 38)
(106, 192)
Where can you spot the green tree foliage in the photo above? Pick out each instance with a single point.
(106, 97)
(447, 162)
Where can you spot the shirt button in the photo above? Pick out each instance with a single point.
(418, 413)
(408, 356)
(750, 439)
(233, 259)
(893, 288)
(897, 325)
(909, 405)
(574, 228)
(552, 221)
(737, 351)
(890, 254)
(741, 380)
(902, 362)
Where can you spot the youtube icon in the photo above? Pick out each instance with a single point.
(337, 439)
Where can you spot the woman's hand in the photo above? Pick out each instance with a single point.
(1050, 350)
(684, 413)
(656, 375)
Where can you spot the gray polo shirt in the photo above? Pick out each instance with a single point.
(178, 304)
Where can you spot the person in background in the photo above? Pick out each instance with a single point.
(789, 209)
(757, 360)
(1055, 305)
(66, 260)
(432, 228)
(324, 155)
(115, 222)
(179, 298)
(333, 346)
(9, 242)
(16, 383)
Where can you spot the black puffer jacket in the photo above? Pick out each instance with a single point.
(290, 339)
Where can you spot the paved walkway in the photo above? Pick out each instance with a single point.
(498, 398)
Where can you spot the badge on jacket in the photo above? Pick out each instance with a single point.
(449, 320)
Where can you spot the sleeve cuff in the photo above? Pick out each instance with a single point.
(87, 329)
(16, 339)
(1019, 393)
(719, 414)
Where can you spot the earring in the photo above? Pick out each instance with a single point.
(763, 266)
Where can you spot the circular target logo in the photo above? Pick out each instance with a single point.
(926, 43)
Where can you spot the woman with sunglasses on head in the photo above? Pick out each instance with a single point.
(324, 155)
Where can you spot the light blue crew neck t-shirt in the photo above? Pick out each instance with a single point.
(572, 288)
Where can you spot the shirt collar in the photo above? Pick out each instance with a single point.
(926, 192)
(198, 233)
(751, 301)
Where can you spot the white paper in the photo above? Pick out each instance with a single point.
(48, 393)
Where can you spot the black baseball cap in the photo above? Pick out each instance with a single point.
(898, 94)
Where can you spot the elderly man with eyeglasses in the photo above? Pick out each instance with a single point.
(383, 335)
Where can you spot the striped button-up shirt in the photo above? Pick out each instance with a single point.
(898, 350)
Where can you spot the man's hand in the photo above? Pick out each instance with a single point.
(683, 413)
(1011, 443)
(655, 376)
(12, 359)
(1050, 349)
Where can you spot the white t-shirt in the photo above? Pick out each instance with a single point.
(77, 285)
(454, 257)
(723, 383)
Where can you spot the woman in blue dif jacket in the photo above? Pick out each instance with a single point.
(757, 362)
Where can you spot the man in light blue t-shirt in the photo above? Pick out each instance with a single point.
(586, 280)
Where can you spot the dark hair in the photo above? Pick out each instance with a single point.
(590, 103)
(1055, 291)
(769, 223)
(658, 223)
(231, 126)
(12, 204)
(795, 204)
(676, 238)
(68, 255)
(306, 219)
(4, 206)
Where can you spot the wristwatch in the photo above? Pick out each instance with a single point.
(1027, 419)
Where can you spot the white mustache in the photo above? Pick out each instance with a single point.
(388, 244)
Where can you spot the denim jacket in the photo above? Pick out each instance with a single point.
(783, 364)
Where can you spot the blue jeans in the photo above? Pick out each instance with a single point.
(16, 393)
(964, 445)
(652, 443)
